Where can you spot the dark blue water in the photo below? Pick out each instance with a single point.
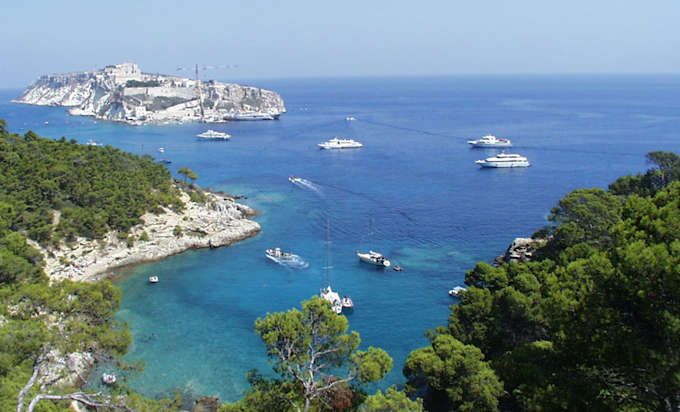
(412, 192)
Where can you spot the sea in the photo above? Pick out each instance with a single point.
(412, 193)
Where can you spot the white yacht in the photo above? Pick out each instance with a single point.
(350, 118)
(504, 160)
(294, 179)
(490, 141)
(211, 134)
(374, 258)
(333, 297)
(336, 143)
(153, 279)
(93, 142)
(253, 115)
(455, 292)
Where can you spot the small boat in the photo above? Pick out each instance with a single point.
(161, 150)
(455, 292)
(504, 160)
(490, 141)
(277, 253)
(294, 179)
(93, 142)
(288, 259)
(397, 268)
(165, 161)
(153, 279)
(347, 303)
(350, 118)
(332, 297)
(46, 122)
(336, 143)
(108, 378)
(374, 258)
(213, 135)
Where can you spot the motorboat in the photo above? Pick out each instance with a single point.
(505, 160)
(336, 143)
(350, 118)
(93, 142)
(397, 268)
(108, 378)
(277, 254)
(490, 141)
(294, 179)
(456, 292)
(153, 279)
(333, 297)
(374, 258)
(253, 115)
(161, 149)
(214, 135)
(347, 303)
(165, 161)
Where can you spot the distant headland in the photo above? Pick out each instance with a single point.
(123, 93)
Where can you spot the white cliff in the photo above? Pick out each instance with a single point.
(123, 93)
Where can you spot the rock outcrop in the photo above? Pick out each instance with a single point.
(219, 221)
(123, 93)
(520, 250)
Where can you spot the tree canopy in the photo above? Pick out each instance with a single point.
(92, 189)
(316, 359)
(592, 323)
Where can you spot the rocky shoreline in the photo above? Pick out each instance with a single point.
(520, 250)
(219, 221)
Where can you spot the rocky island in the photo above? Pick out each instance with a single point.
(123, 93)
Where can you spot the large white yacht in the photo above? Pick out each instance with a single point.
(336, 143)
(490, 141)
(253, 115)
(211, 134)
(504, 160)
(374, 258)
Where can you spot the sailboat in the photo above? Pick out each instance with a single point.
(371, 257)
(328, 293)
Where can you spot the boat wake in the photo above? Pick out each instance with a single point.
(292, 262)
(305, 184)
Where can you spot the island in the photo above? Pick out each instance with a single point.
(122, 93)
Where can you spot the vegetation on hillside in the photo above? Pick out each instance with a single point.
(89, 190)
(592, 324)
(93, 189)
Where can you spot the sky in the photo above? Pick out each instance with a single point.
(271, 39)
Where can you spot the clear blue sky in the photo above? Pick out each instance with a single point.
(340, 38)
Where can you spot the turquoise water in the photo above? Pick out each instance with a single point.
(413, 192)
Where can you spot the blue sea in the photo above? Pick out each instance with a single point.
(413, 192)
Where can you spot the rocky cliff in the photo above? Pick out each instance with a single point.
(219, 221)
(123, 93)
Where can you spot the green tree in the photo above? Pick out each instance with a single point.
(455, 375)
(392, 401)
(313, 353)
(187, 173)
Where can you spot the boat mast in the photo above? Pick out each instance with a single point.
(328, 266)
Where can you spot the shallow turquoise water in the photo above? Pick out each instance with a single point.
(413, 192)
